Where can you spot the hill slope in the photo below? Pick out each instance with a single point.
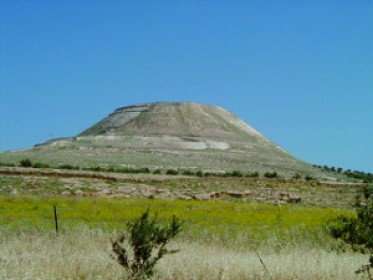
(168, 135)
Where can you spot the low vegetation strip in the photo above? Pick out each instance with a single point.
(133, 177)
(225, 221)
(54, 173)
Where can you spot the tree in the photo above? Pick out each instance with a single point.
(146, 239)
(358, 231)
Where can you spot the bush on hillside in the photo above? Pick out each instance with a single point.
(25, 163)
(188, 173)
(237, 173)
(270, 175)
(68, 167)
(5, 164)
(40, 165)
(252, 175)
(172, 172)
(308, 178)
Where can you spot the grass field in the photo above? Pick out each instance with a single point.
(217, 241)
(85, 254)
(219, 236)
(216, 219)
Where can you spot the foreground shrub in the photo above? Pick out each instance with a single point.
(147, 240)
(358, 231)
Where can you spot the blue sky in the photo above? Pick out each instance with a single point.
(300, 72)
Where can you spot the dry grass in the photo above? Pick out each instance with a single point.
(85, 254)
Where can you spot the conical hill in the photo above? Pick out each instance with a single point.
(169, 135)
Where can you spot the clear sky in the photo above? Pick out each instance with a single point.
(300, 72)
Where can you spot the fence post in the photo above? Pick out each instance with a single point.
(55, 217)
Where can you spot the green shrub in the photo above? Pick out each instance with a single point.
(237, 173)
(309, 178)
(7, 164)
(69, 167)
(252, 175)
(157, 171)
(188, 173)
(144, 170)
(147, 240)
(172, 172)
(270, 175)
(97, 168)
(358, 231)
(25, 163)
(133, 170)
(297, 176)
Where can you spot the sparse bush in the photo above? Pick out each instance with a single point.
(40, 165)
(145, 170)
(199, 173)
(157, 171)
(237, 173)
(25, 163)
(208, 174)
(358, 231)
(309, 178)
(7, 164)
(147, 240)
(270, 175)
(188, 173)
(172, 172)
(297, 176)
(252, 175)
(69, 167)
(120, 170)
(211, 174)
(97, 168)
(366, 177)
(133, 170)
